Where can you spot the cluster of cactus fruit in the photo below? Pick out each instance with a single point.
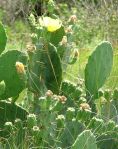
(63, 113)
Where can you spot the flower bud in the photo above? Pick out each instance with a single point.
(30, 47)
(64, 40)
(73, 18)
(20, 68)
(49, 93)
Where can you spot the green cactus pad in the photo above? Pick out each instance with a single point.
(14, 83)
(98, 67)
(53, 69)
(9, 112)
(86, 140)
(46, 68)
(3, 38)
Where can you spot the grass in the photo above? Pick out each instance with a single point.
(18, 35)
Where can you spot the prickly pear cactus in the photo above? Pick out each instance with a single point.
(3, 38)
(46, 68)
(98, 67)
(9, 112)
(14, 82)
(86, 140)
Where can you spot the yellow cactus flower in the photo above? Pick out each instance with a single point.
(51, 24)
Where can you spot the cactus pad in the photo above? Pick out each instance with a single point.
(98, 67)
(8, 73)
(85, 140)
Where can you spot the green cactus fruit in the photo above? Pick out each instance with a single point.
(8, 127)
(20, 132)
(71, 90)
(99, 94)
(56, 37)
(10, 112)
(77, 93)
(3, 38)
(83, 115)
(61, 50)
(2, 87)
(50, 6)
(97, 125)
(107, 94)
(74, 58)
(58, 106)
(70, 112)
(115, 94)
(67, 87)
(98, 67)
(14, 81)
(85, 140)
(31, 120)
(60, 121)
(36, 132)
(111, 125)
(42, 102)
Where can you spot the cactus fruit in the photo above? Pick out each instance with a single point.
(71, 90)
(107, 94)
(84, 115)
(19, 132)
(98, 67)
(31, 120)
(14, 82)
(86, 140)
(97, 125)
(3, 38)
(115, 94)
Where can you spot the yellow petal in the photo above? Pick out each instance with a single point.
(51, 24)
